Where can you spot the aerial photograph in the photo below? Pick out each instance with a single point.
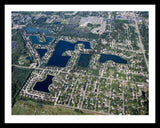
(80, 62)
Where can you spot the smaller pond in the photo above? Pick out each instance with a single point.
(116, 59)
(13, 44)
(84, 60)
(41, 52)
(35, 40)
(43, 85)
(28, 58)
(57, 23)
(35, 30)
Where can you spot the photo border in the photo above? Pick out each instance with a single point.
(87, 118)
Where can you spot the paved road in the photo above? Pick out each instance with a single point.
(67, 72)
(140, 40)
(82, 109)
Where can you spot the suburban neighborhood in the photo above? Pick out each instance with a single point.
(104, 54)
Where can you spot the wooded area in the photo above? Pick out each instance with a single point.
(19, 76)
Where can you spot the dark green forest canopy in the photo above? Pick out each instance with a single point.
(19, 76)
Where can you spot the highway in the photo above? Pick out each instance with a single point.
(140, 42)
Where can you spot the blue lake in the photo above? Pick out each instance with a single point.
(35, 40)
(35, 30)
(43, 85)
(41, 52)
(60, 61)
(116, 59)
(84, 60)
(86, 44)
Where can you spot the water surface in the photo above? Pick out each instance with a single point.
(43, 85)
(84, 60)
(61, 61)
(36, 30)
(35, 40)
(41, 52)
(116, 59)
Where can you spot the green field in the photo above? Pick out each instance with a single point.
(28, 107)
